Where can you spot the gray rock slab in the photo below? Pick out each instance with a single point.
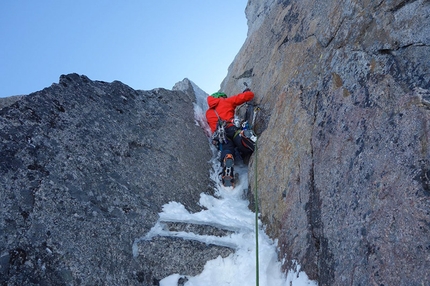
(85, 167)
(344, 158)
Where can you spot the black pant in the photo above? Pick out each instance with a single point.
(233, 144)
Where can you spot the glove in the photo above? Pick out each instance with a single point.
(247, 89)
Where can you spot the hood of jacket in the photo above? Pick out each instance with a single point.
(213, 102)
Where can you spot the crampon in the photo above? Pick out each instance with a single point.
(228, 178)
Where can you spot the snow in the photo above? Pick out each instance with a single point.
(228, 210)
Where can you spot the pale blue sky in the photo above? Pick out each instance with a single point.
(145, 44)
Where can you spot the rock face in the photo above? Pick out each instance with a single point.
(344, 160)
(85, 167)
(6, 101)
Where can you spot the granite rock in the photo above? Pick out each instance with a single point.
(343, 153)
(85, 168)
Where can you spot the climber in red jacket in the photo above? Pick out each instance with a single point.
(220, 117)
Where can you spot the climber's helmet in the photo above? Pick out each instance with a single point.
(219, 94)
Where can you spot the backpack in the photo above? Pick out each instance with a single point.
(245, 140)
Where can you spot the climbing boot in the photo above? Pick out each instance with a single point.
(228, 171)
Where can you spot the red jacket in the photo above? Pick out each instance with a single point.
(225, 107)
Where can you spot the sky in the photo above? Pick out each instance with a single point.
(144, 44)
(228, 210)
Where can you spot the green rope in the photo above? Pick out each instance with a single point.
(257, 281)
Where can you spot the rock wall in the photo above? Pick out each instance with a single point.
(343, 162)
(85, 167)
(6, 101)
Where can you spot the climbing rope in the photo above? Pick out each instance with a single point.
(257, 279)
